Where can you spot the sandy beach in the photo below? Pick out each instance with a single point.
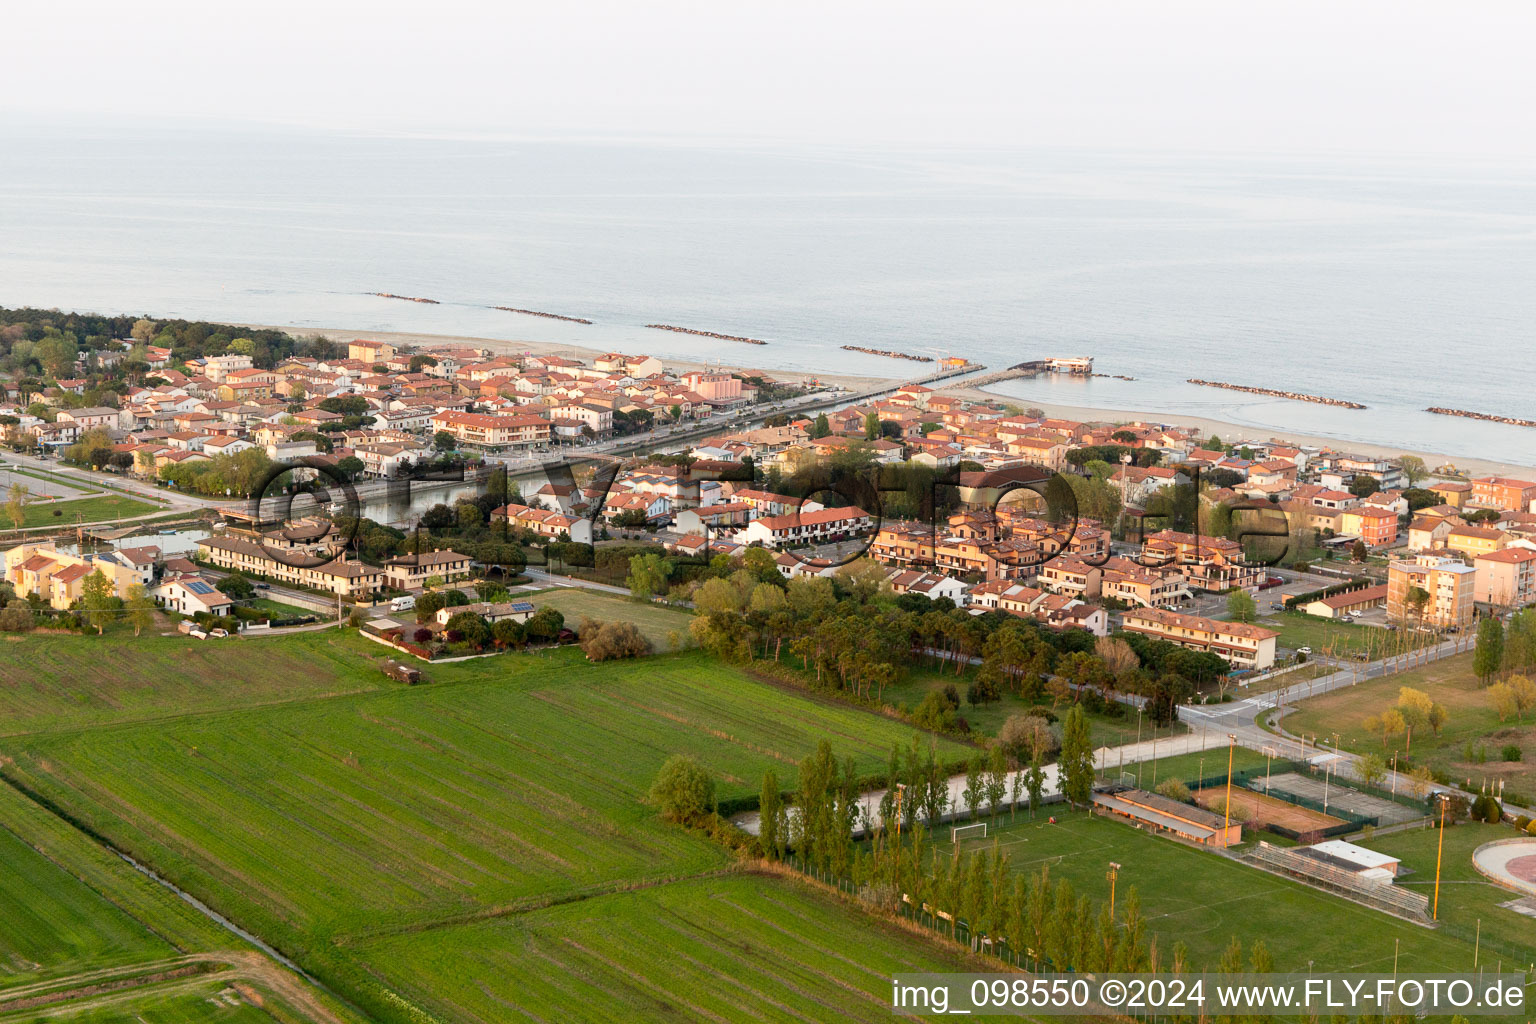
(1230, 432)
(1225, 430)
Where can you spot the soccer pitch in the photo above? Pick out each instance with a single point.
(1203, 899)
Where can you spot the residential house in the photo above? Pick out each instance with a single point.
(1245, 646)
(409, 572)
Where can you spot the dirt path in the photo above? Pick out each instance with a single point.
(117, 984)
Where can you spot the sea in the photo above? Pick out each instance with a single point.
(1396, 283)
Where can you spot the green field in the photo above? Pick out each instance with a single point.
(987, 719)
(1189, 767)
(278, 610)
(67, 681)
(1466, 896)
(730, 948)
(1449, 681)
(52, 923)
(103, 508)
(1341, 639)
(216, 997)
(1203, 899)
(657, 622)
(501, 786)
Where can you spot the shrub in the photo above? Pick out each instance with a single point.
(1173, 789)
(1512, 752)
(421, 636)
(683, 790)
(1522, 822)
(1486, 808)
(615, 640)
(982, 691)
(935, 712)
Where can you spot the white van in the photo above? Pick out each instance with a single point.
(403, 604)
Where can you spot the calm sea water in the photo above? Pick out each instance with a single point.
(1399, 286)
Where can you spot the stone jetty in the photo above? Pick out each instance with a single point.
(534, 312)
(1510, 420)
(1295, 396)
(706, 334)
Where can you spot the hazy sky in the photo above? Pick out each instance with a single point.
(1393, 77)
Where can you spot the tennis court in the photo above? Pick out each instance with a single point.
(1248, 806)
(1337, 797)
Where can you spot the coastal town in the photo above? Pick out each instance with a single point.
(922, 555)
(1132, 556)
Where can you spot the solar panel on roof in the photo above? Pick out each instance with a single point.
(199, 587)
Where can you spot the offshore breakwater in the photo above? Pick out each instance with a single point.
(1294, 396)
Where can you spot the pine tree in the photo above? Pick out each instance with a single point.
(997, 780)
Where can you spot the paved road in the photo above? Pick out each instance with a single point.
(90, 479)
(1240, 717)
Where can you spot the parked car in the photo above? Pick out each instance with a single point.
(1304, 650)
(262, 586)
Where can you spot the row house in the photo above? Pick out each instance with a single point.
(815, 526)
(1245, 646)
(930, 585)
(337, 576)
(1209, 563)
(656, 508)
(544, 522)
(411, 571)
(1124, 580)
(903, 542)
(988, 559)
(516, 431)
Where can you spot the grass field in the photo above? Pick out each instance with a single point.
(1450, 682)
(987, 719)
(726, 949)
(1204, 899)
(70, 681)
(278, 610)
(1342, 639)
(655, 621)
(1466, 897)
(503, 784)
(1189, 767)
(52, 923)
(209, 998)
(103, 508)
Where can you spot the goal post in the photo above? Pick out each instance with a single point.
(960, 832)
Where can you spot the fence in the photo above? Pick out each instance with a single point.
(1351, 821)
(1381, 895)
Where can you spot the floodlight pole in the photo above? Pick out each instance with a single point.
(1114, 872)
(1231, 749)
(1439, 851)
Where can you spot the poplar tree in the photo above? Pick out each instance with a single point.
(769, 807)
(1076, 763)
